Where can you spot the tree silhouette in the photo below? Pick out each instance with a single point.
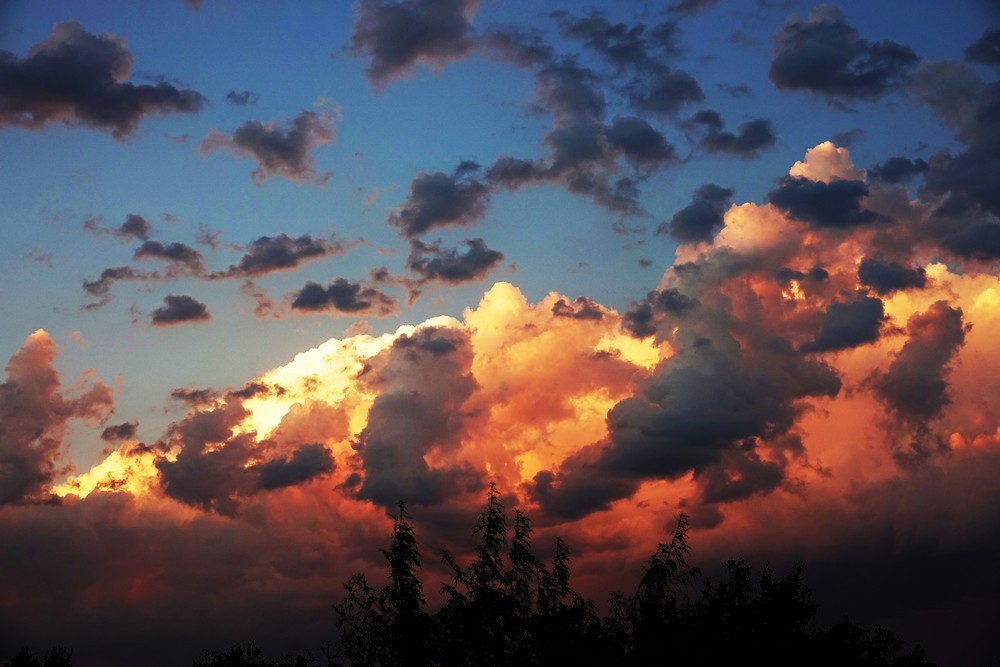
(507, 608)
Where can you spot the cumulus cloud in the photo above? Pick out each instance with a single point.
(898, 169)
(702, 218)
(34, 411)
(885, 277)
(986, 49)
(749, 139)
(77, 78)
(180, 255)
(438, 200)
(834, 205)
(432, 262)
(285, 152)
(281, 252)
(177, 309)
(117, 432)
(823, 54)
(848, 324)
(396, 34)
(134, 227)
(246, 98)
(343, 296)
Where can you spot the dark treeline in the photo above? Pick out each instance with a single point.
(507, 607)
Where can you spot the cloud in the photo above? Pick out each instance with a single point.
(180, 255)
(432, 262)
(692, 6)
(438, 200)
(305, 463)
(847, 324)
(286, 152)
(395, 35)
(986, 49)
(77, 78)
(581, 308)
(178, 309)
(750, 138)
(246, 98)
(134, 227)
(639, 142)
(34, 411)
(898, 169)
(117, 432)
(645, 317)
(834, 205)
(344, 296)
(101, 287)
(664, 91)
(267, 254)
(423, 379)
(885, 277)
(824, 55)
(914, 387)
(702, 218)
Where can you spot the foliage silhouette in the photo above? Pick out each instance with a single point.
(57, 656)
(237, 656)
(506, 607)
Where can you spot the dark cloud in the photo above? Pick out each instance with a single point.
(750, 138)
(740, 474)
(886, 277)
(738, 91)
(914, 387)
(898, 169)
(134, 227)
(825, 55)
(286, 152)
(424, 380)
(620, 44)
(515, 45)
(639, 142)
(697, 411)
(305, 463)
(78, 78)
(978, 241)
(582, 308)
(395, 35)
(117, 432)
(568, 90)
(832, 205)
(702, 218)
(848, 138)
(848, 324)
(178, 309)
(280, 253)
(692, 6)
(644, 318)
(664, 91)
(101, 288)
(344, 296)
(986, 49)
(432, 262)
(194, 396)
(246, 98)
(176, 253)
(34, 412)
(439, 200)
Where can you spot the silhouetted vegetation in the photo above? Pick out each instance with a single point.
(507, 607)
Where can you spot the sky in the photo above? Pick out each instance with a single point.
(269, 268)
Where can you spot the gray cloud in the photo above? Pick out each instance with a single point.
(177, 309)
(395, 35)
(824, 55)
(432, 262)
(344, 296)
(848, 324)
(78, 78)
(439, 200)
(702, 218)
(286, 152)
